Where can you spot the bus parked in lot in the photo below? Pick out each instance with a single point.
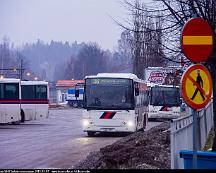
(114, 102)
(164, 101)
(23, 100)
(10, 100)
(34, 100)
(75, 95)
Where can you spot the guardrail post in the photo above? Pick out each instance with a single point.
(172, 142)
(205, 122)
(198, 131)
(194, 139)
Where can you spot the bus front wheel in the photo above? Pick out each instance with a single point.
(16, 122)
(22, 116)
(91, 134)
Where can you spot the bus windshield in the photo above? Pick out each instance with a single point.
(109, 93)
(168, 96)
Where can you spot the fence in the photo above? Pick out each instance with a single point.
(182, 133)
(52, 95)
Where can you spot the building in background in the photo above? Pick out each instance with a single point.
(62, 87)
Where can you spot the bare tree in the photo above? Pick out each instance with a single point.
(174, 15)
(10, 60)
(90, 61)
(147, 33)
(69, 70)
(179, 12)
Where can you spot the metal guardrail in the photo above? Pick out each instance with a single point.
(182, 133)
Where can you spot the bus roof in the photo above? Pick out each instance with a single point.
(116, 75)
(3, 80)
(158, 85)
(34, 83)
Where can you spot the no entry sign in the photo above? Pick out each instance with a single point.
(196, 86)
(197, 40)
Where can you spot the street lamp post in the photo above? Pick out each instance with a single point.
(21, 69)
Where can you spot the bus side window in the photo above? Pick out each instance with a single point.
(11, 91)
(28, 92)
(41, 92)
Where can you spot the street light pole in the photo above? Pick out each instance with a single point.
(21, 69)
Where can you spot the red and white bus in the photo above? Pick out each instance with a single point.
(165, 102)
(23, 100)
(114, 102)
(34, 100)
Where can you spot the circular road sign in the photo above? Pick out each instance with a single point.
(197, 40)
(196, 86)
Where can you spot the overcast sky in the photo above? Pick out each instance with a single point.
(61, 20)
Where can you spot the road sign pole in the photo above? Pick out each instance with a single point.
(195, 139)
(197, 45)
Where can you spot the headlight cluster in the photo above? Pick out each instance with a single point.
(85, 122)
(130, 124)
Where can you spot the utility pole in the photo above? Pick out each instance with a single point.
(21, 69)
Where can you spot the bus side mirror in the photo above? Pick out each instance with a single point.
(180, 101)
(76, 93)
(136, 91)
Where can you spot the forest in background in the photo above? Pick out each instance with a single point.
(143, 43)
(63, 60)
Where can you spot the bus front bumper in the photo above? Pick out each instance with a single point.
(91, 127)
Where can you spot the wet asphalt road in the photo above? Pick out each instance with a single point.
(56, 142)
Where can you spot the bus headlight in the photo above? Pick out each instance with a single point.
(85, 122)
(130, 124)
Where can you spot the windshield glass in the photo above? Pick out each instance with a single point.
(107, 93)
(167, 96)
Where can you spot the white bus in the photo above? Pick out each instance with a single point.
(114, 102)
(164, 101)
(35, 100)
(10, 100)
(75, 96)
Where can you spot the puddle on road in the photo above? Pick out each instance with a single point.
(88, 141)
(80, 141)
